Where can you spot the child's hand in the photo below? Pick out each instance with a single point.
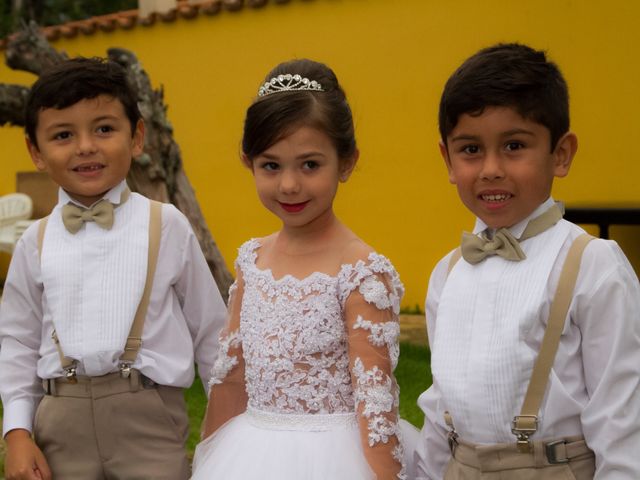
(24, 460)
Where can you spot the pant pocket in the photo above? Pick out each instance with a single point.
(36, 420)
(171, 403)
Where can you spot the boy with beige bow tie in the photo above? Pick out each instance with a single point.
(98, 336)
(534, 326)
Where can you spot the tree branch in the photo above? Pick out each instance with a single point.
(30, 51)
(12, 102)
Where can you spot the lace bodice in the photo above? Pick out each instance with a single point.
(319, 345)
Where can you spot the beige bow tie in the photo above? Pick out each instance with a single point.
(74, 217)
(476, 248)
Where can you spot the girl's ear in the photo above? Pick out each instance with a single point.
(347, 166)
(563, 154)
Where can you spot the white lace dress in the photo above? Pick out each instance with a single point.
(304, 373)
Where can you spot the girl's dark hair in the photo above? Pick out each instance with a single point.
(76, 79)
(507, 75)
(276, 115)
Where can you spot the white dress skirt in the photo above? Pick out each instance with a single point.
(260, 445)
(271, 446)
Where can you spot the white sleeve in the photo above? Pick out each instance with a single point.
(432, 453)
(606, 308)
(202, 305)
(20, 334)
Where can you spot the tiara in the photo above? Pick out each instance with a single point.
(288, 83)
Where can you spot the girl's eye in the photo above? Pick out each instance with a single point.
(270, 166)
(511, 146)
(310, 165)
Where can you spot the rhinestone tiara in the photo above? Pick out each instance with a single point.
(288, 83)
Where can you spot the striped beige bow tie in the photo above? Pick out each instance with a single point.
(101, 213)
(476, 248)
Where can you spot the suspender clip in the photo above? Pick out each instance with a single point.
(452, 435)
(523, 426)
(70, 374)
(125, 369)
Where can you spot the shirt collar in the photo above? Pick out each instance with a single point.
(518, 229)
(112, 195)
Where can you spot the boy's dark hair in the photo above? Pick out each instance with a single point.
(507, 75)
(76, 79)
(274, 116)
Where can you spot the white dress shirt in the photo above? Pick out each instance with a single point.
(93, 304)
(486, 323)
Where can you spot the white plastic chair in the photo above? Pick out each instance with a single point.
(15, 210)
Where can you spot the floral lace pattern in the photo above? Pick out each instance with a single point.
(384, 333)
(224, 362)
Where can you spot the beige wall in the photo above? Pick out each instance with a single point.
(393, 58)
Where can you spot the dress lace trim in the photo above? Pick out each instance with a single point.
(224, 362)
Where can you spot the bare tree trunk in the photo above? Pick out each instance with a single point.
(158, 173)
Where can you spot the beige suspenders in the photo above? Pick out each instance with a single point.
(134, 340)
(526, 424)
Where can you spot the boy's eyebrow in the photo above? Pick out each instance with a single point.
(70, 124)
(465, 137)
(508, 133)
(517, 131)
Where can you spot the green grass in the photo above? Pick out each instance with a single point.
(413, 375)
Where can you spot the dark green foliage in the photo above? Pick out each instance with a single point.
(54, 12)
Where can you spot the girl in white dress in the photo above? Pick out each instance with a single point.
(303, 386)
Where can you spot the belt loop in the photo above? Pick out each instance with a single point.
(49, 386)
(134, 380)
(556, 452)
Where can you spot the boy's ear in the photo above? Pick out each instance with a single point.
(347, 166)
(137, 140)
(36, 156)
(563, 154)
(444, 151)
(246, 161)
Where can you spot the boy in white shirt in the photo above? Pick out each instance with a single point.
(504, 124)
(105, 256)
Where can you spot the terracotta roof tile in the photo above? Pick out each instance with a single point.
(129, 19)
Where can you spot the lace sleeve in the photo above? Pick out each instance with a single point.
(371, 311)
(227, 393)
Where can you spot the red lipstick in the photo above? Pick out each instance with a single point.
(293, 207)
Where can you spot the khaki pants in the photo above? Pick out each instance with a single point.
(108, 428)
(504, 462)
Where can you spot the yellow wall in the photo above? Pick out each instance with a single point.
(393, 58)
